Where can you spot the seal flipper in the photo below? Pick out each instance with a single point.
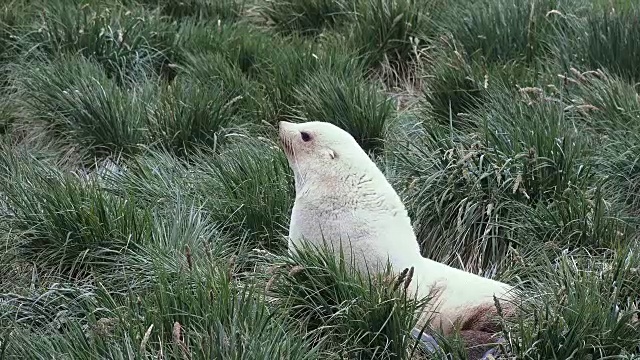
(430, 345)
(427, 341)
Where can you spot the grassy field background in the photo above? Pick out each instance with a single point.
(144, 198)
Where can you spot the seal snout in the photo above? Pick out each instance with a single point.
(283, 129)
(284, 125)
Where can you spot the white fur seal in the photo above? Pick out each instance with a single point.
(342, 195)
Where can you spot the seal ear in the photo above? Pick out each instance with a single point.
(331, 153)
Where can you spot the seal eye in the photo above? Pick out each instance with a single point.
(305, 136)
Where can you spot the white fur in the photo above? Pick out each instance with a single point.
(342, 197)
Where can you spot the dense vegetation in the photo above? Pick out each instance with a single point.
(144, 198)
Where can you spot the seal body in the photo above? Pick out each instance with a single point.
(343, 200)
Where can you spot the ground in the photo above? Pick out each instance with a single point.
(144, 198)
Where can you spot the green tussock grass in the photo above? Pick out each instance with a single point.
(121, 39)
(189, 115)
(227, 10)
(507, 30)
(234, 186)
(75, 98)
(309, 17)
(145, 200)
(348, 102)
(609, 40)
(362, 315)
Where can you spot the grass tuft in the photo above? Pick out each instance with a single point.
(362, 315)
(204, 314)
(585, 315)
(348, 102)
(308, 17)
(191, 115)
(77, 100)
(257, 192)
(507, 30)
(202, 10)
(61, 222)
(245, 187)
(454, 87)
(122, 40)
(480, 188)
(611, 40)
(388, 30)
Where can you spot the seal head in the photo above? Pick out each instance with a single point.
(315, 148)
